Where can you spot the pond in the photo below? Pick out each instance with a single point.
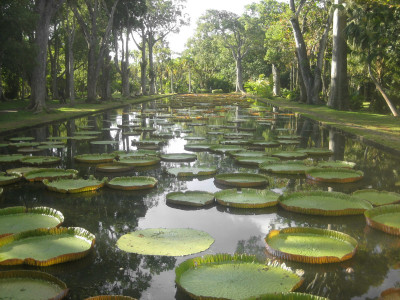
(109, 213)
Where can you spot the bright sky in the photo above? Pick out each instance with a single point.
(195, 9)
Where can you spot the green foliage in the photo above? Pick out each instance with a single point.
(259, 87)
(217, 91)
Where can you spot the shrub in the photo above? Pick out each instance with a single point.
(259, 87)
(217, 91)
(202, 91)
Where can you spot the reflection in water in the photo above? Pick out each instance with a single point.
(110, 213)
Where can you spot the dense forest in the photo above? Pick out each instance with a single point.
(343, 53)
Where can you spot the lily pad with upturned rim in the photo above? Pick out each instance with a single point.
(178, 157)
(104, 142)
(223, 276)
(114, 167)
(241, 179)
(132, 183)
(165, 241)
(6, 179)
(50, 174)
(256, 160)
(22, 139)
(286, 167)
(22, 171)
(95, 158)
(192, 171)
(311, 245)
(336, 164)
(140, 161)
(316, 151)
(226, 148)
(323, 203)
(9, 158)
(40, 160)
(190, 198)
(20, 218)
(290, 155)
(74, 185)
(24, 284)
(377, 198)
(247, 198)
(112, 297)
(385, 218)
(87, 132)
(264, 144)
(338, 175)
(198, 147)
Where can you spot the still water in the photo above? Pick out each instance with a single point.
(109, 214)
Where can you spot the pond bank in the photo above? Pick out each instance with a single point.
(380, 131)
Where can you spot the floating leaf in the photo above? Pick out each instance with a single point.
(110, 297)
(6, 158)
(87, 132)
(198, 147)
(166, 242)
(95, 158)
(178, 157)
(6, 179)
(316, 151)
(45, 247)
(286, 167)
(377, 198)
(385, 218)
(223, 276)
(22, 139)
(22, 171)
(49, 174)
(137, 153)
(74, 185)
(241, 179)
(115, 167)
(311, 245)
(256, 160)
(337, 164)
(104, 142)
(132, 183)
(190, 198)
(226, 148)
(264, 144)
(247, 198)
(40, 160)
(338, 175)
(290, 155)
(140, 161)
(192, 171)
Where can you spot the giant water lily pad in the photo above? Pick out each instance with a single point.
(290, 155)
(26, 285)
(323, 203)
(291, 296)
(74, 185)
(24, 144)
(192, 171)
(223, 276)
(178, 157)
(50, 174)
(337, 175)
(385, 218)
(83, 137)
(88, 132)
(265, 144)
(190, 198)
(115, 167)
(247, 154)
(377, 198)
(286, 167)
(132, 183)
(22, 171)
(140, 161)
(142, 153)
(198, 147)
(104, 142)
(6, 179)
(111, 297)
(241, 179)
(226, 148)
(311, 245)
(45, 247)
(40, 160)
(247, 198)
(337, 164)
(8, 158)
(95, 158)
(316, 151)
(19, 218)
(22, 139)
(166, 242)
(256, 160)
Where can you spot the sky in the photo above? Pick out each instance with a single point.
(195, 9)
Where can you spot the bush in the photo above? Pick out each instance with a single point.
(290, 95)
(356, 102)
(215, 83)
(202, 91)
(217, 91)
(259, 87)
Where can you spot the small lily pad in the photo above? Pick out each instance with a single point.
(247, 198)
(178, 157)
(137, 153)
(377, 198)
(8, 158)
(166, 242)
(132, 183)
(83, 138)
(50, 174)
(338, 175)
(241, 179)
(190, 198)
(95, 158)
(74, 185)
(192, 171)
(113, 297)
(385, 218)
(40, 160)
(337, 164)
(286, 167)
(311, 245)
(6, 179)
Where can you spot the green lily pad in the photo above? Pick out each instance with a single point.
(87, 132)
(233, 142)
(290, 155)
(104, 142)
(178, 157)
(338, 175)
(24, 285)
(24, 144)
(285, 167)
(22, 171)
(215, 132)
(110, 297)
(290, 137)
(8, 158)
(323, 203)
(226, 148)
(256, 160)
(385, 218)
(264, 144)
(51, 146)
(337, 164)
(192, 171)
(132, 183)
(19, 218)
(194, 138)
(377, 198)
(140, 161)
(137, 153)
(311, 245)
(50, 174)
(74, 185)
(29, 150)
(115, 167)
(40, 160)
(83, 138)
(166, 242)
(247, 154)
(316, 151)
(149, 142)
(239, 135)
(95, 158)
(6, 179)
(190, 198)
(247, 198)
(22, 139)
(58, 138)
(223, 276)
(45, 246)
(291, 296)
(3, 145)
(288, 142)
(198, 147)
(241, 179)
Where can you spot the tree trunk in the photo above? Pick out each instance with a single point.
(190, 81)
(239, 75)
(143, 65)
(70, 62)
(277, 80)
(91, 76)
(152, 75)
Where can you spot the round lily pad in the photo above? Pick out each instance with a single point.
(311, 245)
(390, 294)
(110, 297)
(8, 158)
(74, 185)
(22, 171)
(24, 284)
(167, 242)
(223, 276)
(377, 198)
(50, 174)
(241, 179)
(19, 218)
(226, 148)
(233, 142)
(290, 137)
(247, 198)
(192, 171)
(83, 137)
(104, 142)
(194, 138)
(316, 151)
(6, 179)
(290, 155)
(265, 144)
(337, 164)
(24, 144)
(51, 146)
(132, 183)
(137, 153)
(88, 132)
(115, 167)
(385, 218)
(22, 139)
(256, 160)
(198, 147)
(140, 161)
(178, 157)
(285, 167)
(45, 246)
(338, 175)
(323, 203)
(190, 198)
(247, 154)
(40, 160)
(288, 142)
(148, 142)
(95, 158)
(29, 150)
